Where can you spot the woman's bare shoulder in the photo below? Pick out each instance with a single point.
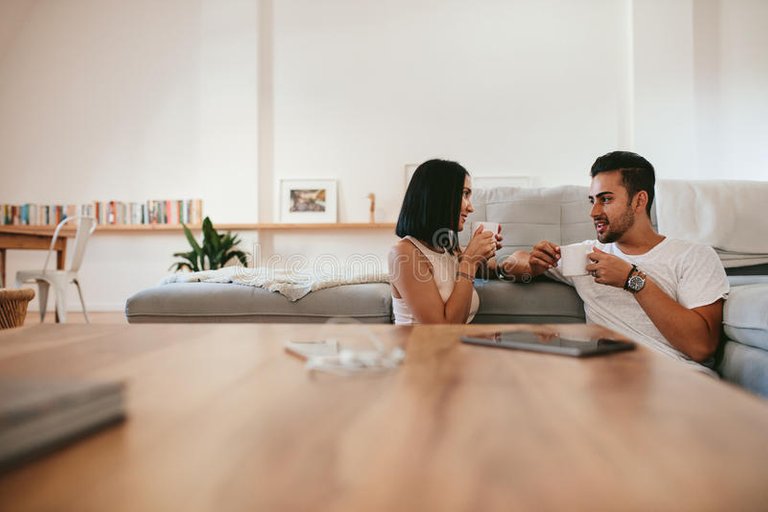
(404, 250)
(404, 246)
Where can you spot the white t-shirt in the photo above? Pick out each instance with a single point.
(690, 273)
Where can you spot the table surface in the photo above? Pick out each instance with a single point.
(11, 238)
(221, 418)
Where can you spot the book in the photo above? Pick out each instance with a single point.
(37, 416)
(158, 211)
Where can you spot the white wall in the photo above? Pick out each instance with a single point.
(732, 79)
(198, 98)
(701, 76)
(107, 99)
(664, 86)
(362, 88)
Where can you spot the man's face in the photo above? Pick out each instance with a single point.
(611, 212)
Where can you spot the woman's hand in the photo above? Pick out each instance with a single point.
(482, 246)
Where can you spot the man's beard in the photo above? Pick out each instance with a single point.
(617, 228)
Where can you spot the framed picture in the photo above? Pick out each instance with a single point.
(501, 181)
(305, 201)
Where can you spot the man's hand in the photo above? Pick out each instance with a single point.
(608, 269)
(544, 256)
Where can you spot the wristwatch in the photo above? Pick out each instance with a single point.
(635, 280)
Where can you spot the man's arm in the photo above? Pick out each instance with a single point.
(542, 257)
(694, 332)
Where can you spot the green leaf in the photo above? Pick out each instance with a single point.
(240, 255)
(197, 251)
(211, 244)
(217, 249)
(191, 238)
(180, 265)
(190, 264)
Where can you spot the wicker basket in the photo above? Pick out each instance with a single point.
(13, 306)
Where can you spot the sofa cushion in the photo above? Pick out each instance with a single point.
(742, 279)
(745, 366)
(528, 215)
(232, 303)
(545, 301)
(745, 315)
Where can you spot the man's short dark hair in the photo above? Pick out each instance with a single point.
(636, 173)
(432, 204)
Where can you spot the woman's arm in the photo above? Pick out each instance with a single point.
(412, 279)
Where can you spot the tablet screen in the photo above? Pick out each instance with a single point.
(548, 342)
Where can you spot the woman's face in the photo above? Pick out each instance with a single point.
(466, 202)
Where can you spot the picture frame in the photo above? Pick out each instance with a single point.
(517, 180)
(308, 201)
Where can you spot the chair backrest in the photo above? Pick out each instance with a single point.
(85, 227)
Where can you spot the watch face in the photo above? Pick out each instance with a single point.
(636, 283)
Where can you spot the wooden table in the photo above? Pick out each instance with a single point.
(221, 418)
(23, 237)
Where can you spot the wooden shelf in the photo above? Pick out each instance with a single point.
(170, 228)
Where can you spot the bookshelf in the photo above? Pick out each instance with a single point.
(170, 228)
(153, 211)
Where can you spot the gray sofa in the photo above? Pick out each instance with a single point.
(527, 215)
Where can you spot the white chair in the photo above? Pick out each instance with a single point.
(59, 279)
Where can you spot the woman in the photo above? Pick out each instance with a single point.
(430, 275)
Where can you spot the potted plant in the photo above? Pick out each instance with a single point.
(215, 251)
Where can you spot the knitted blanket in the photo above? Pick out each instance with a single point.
(293, 284)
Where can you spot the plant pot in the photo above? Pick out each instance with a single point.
(13, 306)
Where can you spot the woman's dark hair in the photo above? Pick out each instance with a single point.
(432, 204)
(636, 173)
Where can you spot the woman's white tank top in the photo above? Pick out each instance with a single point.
(444, 267)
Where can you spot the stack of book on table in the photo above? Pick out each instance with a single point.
(39, 415)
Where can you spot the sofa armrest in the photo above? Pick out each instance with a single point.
(740, 280)
(745, 315)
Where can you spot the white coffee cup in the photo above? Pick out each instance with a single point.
(493, 227)
(574, 259)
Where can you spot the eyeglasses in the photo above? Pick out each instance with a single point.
(348, 361)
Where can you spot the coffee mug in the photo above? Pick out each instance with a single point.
(574, 259)
(493, 227)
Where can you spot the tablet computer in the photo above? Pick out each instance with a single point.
(547, 342)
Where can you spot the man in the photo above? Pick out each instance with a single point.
(667, 294)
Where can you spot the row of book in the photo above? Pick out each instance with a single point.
(161, 211)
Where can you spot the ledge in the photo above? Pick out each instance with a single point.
(166, 228)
